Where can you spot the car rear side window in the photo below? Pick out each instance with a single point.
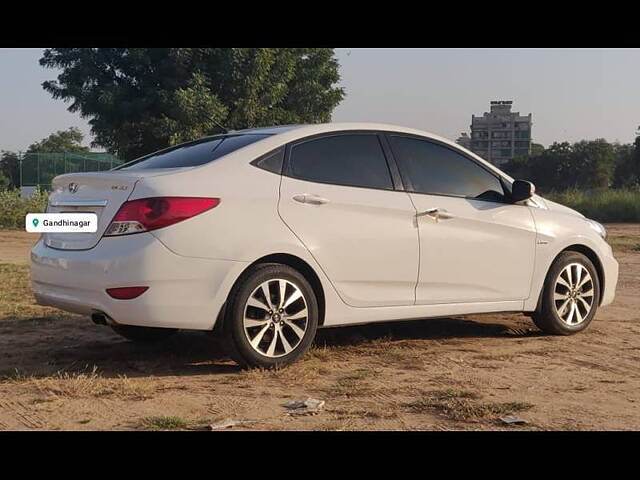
(194, 153)
(353, 160)
(272, 161)
(427, 167)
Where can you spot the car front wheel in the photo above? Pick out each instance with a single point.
(570, 295)
(272, 317)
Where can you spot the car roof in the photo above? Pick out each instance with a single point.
(302, 130)
(296, 131)
(311, 128)
(289, 133)
(271, 130)
(278, 135)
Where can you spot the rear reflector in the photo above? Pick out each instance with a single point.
(126, 293)
(146, 214)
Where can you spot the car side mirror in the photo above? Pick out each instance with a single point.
(522, 190)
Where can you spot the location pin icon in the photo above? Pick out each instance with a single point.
(35, 222)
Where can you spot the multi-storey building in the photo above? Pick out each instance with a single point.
(464, 140)
(500, 135)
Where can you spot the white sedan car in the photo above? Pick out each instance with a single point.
(268, 234)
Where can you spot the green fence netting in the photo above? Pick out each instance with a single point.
(38, 169)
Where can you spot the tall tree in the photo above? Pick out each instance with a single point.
(586, 164)
(552, 167)
(536, 149)
(69, 140)
(593, 163)
(4, 182)
(142, 99)
(627, 173)
(10, 168)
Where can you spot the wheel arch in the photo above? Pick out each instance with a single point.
(292, 261)
(591, 255)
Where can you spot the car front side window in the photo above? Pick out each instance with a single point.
(427, 167)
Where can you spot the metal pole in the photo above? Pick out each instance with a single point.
(20, 164)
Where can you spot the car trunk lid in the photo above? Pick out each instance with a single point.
(101, 193)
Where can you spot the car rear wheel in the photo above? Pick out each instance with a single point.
(143, 334)
(272, 317)
(570, 295)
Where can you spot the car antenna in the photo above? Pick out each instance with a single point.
(222, 127)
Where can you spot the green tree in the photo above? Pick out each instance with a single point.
(583, 165)
(69, 140)
(627, 172)
(625, 175)
(4, 182)
(551, 167)
(519, 167)
(142, 99)
(634, 168)
(10, 168)
(536, 149)
(592, 163)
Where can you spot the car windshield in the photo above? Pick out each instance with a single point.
(194, 153)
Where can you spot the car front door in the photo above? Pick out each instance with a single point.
(475, 246)
(337, 195)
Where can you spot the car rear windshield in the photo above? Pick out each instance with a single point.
(194, 153)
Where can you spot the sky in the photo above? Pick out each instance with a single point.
(572, 94)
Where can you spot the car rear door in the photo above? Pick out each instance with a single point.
(337, 195)
(475, 246)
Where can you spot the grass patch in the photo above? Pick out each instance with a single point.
(463, 405)
(16, 288)
(624, 242)
(13, 209)
(352, 384)
(16, 297)
(402, 354)
(89, 385)
(13, 375)
(605, 205)
(165, 423)
(306, 372)
(383, 351)
(373, 410)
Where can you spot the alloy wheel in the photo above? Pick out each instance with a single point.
(573, 295)
(275, 317)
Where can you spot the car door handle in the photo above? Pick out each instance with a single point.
(310, 199)
(436, 213)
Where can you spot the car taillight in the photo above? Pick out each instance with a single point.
(148, 214)
(126, 293)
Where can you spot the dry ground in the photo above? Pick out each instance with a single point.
(59, 371)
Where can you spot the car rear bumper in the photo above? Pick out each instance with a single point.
(184, 292)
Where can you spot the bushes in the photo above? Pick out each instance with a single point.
(13, 209)
(582, 165)
(602, 205)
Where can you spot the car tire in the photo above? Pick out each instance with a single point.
(570, 295)
(267, 333)
(143, 334)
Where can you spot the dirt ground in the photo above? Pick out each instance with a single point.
(59, 371)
